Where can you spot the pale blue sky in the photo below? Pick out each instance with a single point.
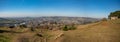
(79, 8)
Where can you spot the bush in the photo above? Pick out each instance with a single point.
(65, 28)
(11, 26)
(72, 28)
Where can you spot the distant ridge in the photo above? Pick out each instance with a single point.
(4, 20)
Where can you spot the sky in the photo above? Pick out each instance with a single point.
(73, 8)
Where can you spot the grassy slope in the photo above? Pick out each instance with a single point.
(105, 31)
(25, 35)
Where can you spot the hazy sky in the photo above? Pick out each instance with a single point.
(79, 8)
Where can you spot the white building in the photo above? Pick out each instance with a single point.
(113, 18)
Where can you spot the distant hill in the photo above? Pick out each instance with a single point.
(4, 20)
(57, 19)
(67, 20)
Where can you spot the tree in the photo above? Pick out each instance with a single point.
(114, 14)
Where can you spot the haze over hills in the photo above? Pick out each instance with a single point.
(5, 20)
(58, 19)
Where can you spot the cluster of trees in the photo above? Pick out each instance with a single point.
(114, 14)
(66, 27)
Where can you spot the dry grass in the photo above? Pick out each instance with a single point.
(106, 31)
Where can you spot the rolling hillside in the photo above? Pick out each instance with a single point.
(105, 31)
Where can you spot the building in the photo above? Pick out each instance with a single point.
(114, 18)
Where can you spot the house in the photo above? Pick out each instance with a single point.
(114, 18)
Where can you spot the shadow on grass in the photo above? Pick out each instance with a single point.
(5, 31)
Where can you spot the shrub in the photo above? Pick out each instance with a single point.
(72, 28)
(11, 26)
(65, 28)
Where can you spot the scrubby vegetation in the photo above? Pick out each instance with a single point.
(66, 27)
